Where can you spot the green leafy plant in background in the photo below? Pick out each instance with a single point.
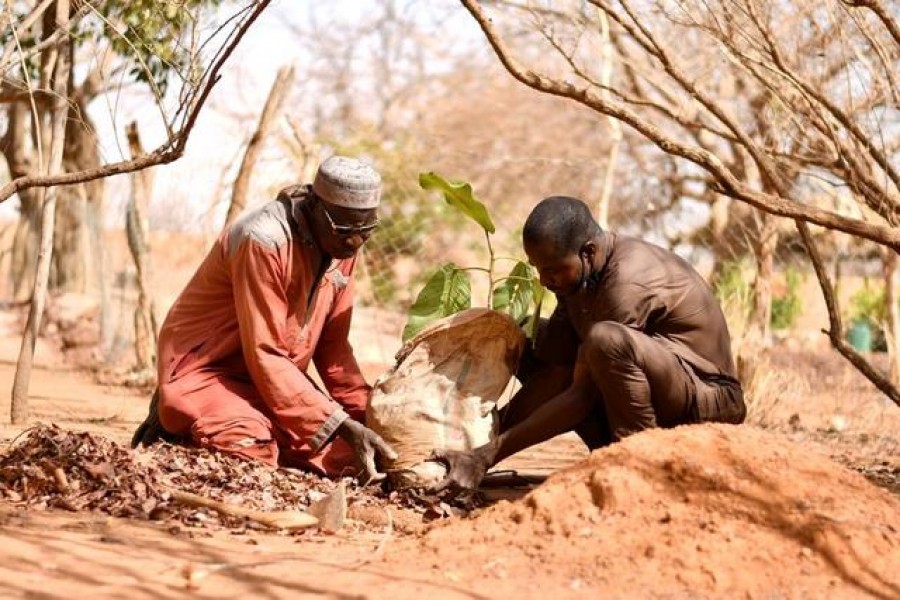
(866, 318)
(150, 35)
(449, 289)
(787, 307)
(732, 287)
(868, 306)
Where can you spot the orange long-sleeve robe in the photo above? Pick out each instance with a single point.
(236, 345)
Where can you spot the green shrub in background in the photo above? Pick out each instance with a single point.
(868, 310)
(732, 287)
(868, 305)
(787, 307)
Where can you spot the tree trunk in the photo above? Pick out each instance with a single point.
(719, 215)
(277, 93)
(68, 271)
(615, 127)
(71, 241)
(21, 161)
(75, 265)
(765, 271)
(145, 326)
(892, 313)
(25, 245)
(753, 354)
(57, 132)
(97, 250)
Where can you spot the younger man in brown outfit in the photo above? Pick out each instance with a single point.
(638, 340)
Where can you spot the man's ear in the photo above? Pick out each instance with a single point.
(588, 249)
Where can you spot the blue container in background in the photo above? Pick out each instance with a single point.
(860, 336)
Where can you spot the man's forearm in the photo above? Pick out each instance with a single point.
(558, 415)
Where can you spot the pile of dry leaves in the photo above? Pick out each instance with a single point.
(50, 467)
(47, 467)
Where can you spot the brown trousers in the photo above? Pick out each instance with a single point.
(638, 383)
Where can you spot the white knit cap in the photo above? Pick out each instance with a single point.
(348, 182)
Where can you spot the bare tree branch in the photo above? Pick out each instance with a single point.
(283, 80)
(10, 51)
(726, 182)
(836, 329)
(57, 132)
(171, 149)
(846, 122)
(877, 7)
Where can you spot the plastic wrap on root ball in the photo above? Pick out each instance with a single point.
(443, 390)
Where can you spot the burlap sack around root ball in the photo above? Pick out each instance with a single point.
(443, 390)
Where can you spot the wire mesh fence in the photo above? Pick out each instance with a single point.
(402, 255)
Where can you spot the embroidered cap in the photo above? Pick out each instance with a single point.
(348, 182)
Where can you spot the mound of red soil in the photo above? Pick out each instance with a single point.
(694, 512)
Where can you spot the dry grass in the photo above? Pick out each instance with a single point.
(768, 388)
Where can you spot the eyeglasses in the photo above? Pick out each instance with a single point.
(348, 230)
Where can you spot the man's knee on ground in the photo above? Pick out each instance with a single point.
(171, 411)
(721, 404)
(242, 436)
(608, 342)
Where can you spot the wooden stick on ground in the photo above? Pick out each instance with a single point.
(280, 519)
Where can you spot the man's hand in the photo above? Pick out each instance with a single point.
(465, 469)
(365, 443)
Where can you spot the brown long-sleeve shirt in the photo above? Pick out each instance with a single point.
(652, 290)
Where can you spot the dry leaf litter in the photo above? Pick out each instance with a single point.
(48, 467)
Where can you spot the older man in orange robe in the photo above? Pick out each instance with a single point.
(274, 294)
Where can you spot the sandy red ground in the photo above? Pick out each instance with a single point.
(695, 512)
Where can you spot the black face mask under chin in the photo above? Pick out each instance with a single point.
(588, 278)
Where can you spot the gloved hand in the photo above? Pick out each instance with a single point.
(465, 469)
(365, 443)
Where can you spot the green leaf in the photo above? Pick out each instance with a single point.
(535, 319)
(446, 292)
(459, 195)
(514, 293)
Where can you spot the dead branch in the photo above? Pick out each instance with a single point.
(830, 107)
(283, 80)
(44, 44)
(725, 181)
(280, 519)
(145, 326)
(878, 7)
(172, 149)
(835, 330)
(57, 133)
